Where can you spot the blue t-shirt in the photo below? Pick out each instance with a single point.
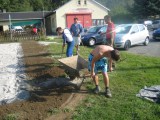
(76, 29)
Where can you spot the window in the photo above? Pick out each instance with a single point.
(102, 22)
(123, 29)
(85, 2)
(98, 22)
(93, 22)
(156, 22)
(79, 2)
(135, 29)
(141, 27)
(103, 29)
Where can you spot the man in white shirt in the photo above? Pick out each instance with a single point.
(67, 39)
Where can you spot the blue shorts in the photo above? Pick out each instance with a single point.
(100, 65)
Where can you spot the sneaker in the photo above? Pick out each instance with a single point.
(108, 93)
(96, 90)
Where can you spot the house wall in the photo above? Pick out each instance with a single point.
(98, 12)
(53, 23)
(5, 27)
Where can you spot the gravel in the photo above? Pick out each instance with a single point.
(12, 77)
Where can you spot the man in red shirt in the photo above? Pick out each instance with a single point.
(110, 34)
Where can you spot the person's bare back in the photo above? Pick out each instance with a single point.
(102, 51)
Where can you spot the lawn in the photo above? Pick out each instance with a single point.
(131, 75)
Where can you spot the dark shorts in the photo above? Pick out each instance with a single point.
(100, 65)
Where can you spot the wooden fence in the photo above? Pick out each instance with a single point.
(16, 36)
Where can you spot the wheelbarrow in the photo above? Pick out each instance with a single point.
(75, 67)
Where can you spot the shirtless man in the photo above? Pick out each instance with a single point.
(98, 62)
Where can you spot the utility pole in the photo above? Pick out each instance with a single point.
(10, 25)
(44, 25)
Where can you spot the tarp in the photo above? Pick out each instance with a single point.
(22, 23)
(150, 93)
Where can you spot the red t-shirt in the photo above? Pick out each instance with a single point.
(110, 29)
(35, 30)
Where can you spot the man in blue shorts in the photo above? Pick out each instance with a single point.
(98, 62)
(67, 39)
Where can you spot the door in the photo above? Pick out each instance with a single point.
(70, 19)
(134, 35)
(84, 19)
(87, 20)
(80, 19)
(143, 33)
(101, 34)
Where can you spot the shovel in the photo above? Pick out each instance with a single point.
(62, 52)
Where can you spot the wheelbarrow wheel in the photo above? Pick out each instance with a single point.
(72, 77)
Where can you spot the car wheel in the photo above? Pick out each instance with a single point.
(146, 41)
(127, 45)
(92, 41)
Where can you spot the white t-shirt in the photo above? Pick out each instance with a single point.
(67, 36)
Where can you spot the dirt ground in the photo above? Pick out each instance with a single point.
(43, 102)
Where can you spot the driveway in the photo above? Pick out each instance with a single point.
(153, 48)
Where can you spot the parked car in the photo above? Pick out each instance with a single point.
(148, 24)
(128, 35)
(85, 29)
(94, 35)
(17, 28)
(156, 24)
(156, 34)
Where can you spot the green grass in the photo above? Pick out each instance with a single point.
(130, 76)
(11, 117)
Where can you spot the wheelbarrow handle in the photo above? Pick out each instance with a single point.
(85, 76)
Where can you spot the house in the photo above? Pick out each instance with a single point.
(8, 19)
(89, 12)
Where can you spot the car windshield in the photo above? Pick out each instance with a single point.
(123, 29)
(93, 29)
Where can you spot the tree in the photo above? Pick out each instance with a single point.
(58, 3)
(145, 8)
(4, 4)
(30, 5)
(38, 5)
(119, 10)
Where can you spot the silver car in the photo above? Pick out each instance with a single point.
(131, 34)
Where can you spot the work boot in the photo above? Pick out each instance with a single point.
(108, 93)
(96, 90)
